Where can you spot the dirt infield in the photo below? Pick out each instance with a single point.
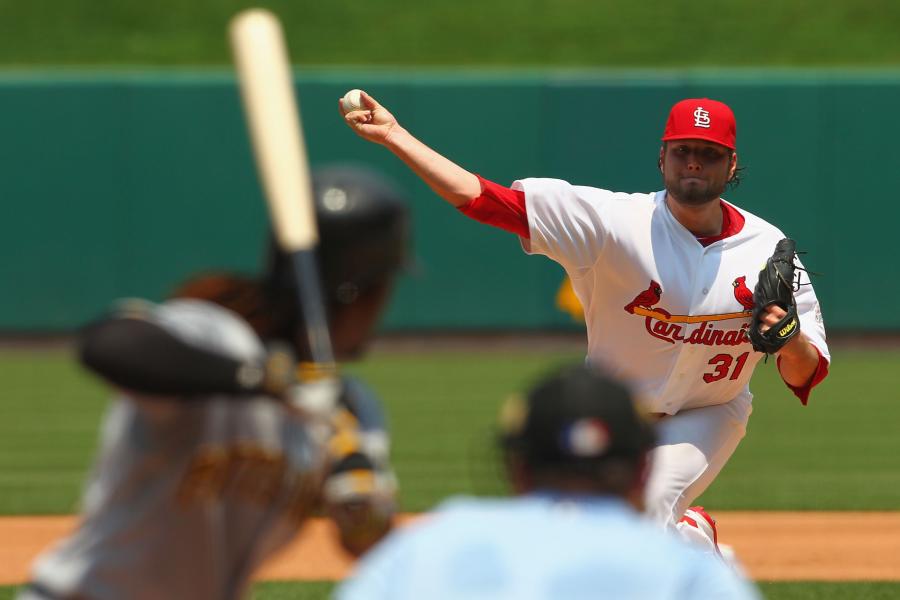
(772, 546)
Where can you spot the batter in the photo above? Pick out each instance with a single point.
(212, 454)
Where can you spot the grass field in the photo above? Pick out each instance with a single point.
(320, 590)
(835, 454)
(575, 33)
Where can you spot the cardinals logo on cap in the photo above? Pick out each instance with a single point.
(701, 118)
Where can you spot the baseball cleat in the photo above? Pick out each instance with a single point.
(698, 527)
(698, 519)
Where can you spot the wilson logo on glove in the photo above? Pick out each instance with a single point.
(787, 329)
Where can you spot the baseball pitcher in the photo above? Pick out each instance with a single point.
(674, 300)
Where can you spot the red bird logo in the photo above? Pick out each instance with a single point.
(645, 299)
(742, 294)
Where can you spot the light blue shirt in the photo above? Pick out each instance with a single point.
(539, 547)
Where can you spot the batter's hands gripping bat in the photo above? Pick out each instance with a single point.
(273, 118)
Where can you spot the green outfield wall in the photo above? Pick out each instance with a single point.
(123, 184)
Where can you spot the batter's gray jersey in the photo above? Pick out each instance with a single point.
(187, 498)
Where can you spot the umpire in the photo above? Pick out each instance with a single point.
(576, 455)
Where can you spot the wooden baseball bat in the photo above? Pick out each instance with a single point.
(273, 119)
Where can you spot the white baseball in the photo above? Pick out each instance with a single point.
(352, 100)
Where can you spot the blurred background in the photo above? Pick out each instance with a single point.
(125, 167)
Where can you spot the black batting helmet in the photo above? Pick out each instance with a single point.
(363, 233)
(363, 241)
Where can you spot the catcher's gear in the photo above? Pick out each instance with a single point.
(776, 285)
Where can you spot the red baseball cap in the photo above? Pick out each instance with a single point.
(701, 119)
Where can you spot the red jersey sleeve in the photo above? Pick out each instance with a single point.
(498, 206)
(802, 392)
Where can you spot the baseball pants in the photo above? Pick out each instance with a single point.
(693, 447)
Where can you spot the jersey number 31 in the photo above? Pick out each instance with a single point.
(722, 364)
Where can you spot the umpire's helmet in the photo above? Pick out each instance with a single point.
(577, 424)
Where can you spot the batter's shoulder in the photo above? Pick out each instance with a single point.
(200, 323)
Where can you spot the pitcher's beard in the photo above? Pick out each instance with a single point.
(695, 195)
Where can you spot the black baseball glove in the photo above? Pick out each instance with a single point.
(776, 286)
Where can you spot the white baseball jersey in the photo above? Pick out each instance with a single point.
(662, 311)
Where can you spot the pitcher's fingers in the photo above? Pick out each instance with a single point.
(368, 100)
(357, 117)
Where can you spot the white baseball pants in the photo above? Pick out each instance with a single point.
(693, 447)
